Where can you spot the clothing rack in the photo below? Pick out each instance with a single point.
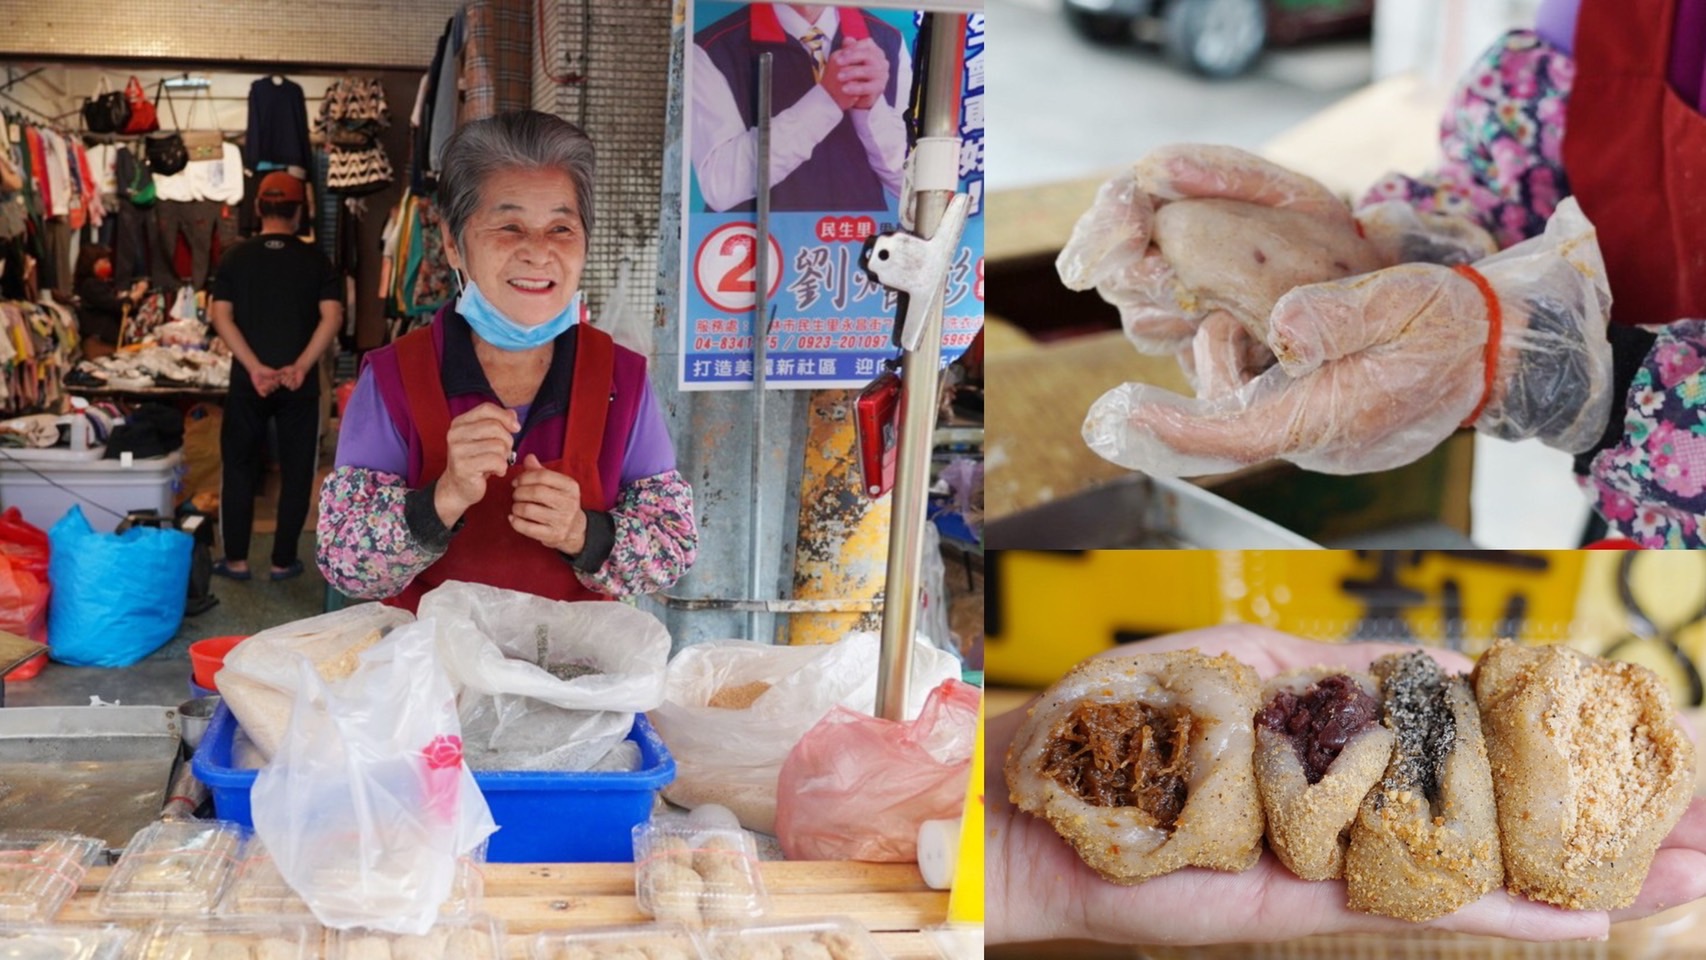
(14, 81)
(32, 115)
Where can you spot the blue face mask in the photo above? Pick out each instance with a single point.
(504, 333)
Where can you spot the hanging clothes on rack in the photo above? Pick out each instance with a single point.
(497, 62)
(352, 116)
(277, 136)
(38, 342)
(195, 217)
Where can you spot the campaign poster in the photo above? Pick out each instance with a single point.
(840, 133)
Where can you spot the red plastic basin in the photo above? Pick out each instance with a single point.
(207, 656)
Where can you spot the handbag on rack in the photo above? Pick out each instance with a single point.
(142, 118)
(203, 144)
(108, 111)
(135, 181)
(356, 173)
(167, 154)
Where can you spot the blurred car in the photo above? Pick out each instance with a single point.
(1218, 38)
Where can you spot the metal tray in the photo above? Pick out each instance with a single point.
(1141, 512)
(100, 771)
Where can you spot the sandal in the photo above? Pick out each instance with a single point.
(290, 572)
(220, 569)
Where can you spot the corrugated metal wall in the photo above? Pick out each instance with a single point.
(605, 66)
(371, 33)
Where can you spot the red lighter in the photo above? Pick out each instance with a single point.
(876, 417)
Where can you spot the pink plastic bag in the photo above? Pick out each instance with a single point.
(857, 787)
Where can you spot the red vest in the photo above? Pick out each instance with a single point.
(1636, 158)
(487, 549)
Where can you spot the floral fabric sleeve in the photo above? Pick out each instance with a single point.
(1502, 137)
(1652, 485)
(656, 537)
(366, 545)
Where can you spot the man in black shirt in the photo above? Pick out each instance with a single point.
(277, 304)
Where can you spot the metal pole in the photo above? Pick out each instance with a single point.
(760, 347)
(921, 375)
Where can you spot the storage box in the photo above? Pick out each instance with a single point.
(542, 817)
(44, 484)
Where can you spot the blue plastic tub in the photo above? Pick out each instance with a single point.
(199, 691)
(541, 817)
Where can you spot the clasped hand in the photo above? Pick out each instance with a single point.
(857, 74)
(268, 379)
(546, 504)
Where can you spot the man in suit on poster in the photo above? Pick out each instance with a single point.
(840, 77)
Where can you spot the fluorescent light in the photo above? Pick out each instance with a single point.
(188, 83)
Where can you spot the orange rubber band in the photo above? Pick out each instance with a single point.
(1495, 325)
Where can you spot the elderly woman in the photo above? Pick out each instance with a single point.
(507, 443)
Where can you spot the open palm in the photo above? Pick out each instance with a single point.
(1038, 889)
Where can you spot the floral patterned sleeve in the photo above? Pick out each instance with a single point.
(1502, 137)
(366, 545)
(656, 537)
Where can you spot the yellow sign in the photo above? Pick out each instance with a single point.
(965, 902)
(1051, 610)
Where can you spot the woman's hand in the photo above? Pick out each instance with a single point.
(547, 507)
(480, 442)
(1039, 889)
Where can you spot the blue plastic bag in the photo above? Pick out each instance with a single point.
(116, 597)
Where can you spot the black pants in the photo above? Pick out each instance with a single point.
(133, 243)
(295, 415)
(198, 221)
(56, 265)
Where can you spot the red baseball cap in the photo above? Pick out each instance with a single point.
(281, 186)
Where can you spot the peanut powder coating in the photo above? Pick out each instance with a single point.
(1591, 768)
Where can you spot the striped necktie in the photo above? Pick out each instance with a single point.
(816, 43)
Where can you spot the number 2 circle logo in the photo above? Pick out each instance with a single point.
(726, 267)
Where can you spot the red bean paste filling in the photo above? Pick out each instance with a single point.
(1125, 755)
(1414, 689)
(1321, 721)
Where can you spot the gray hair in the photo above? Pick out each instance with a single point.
(524, 139)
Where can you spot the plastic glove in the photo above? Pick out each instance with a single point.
(1196, 228)
(1375, 371)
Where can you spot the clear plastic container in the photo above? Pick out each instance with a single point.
(957, 941)
(251, 938)
(173, 869)
(66, 943)
(832, 938)
(693, 875)
(259, 890)
(40, 870)
(478, 937)
(655, 941)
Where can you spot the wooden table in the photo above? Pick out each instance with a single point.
(890, 899)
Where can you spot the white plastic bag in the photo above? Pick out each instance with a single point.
(367, 805)
(260, 676)
(735, 708)
(545, 685)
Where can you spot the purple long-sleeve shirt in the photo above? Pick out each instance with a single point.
(368, 437)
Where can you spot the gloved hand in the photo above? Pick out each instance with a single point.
(1375, 371)
(1195, 228)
